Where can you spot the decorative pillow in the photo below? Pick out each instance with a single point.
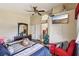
(62, 45)
(25, 42)
(65, 45)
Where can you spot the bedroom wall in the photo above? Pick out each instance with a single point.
(63, 32)
(59, 8)
(60, 32)
(8, 23)
(35, 19)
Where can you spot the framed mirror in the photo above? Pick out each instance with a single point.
(22, 29)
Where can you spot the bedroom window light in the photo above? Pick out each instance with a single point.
(44, 25)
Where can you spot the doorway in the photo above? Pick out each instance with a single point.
(44, 29)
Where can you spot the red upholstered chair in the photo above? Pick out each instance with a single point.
(60, 52)
(52, 47)
(69, 51)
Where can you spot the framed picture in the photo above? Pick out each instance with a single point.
(60, 19)
(22, 29)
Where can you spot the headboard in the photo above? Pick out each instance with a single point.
(16, 38)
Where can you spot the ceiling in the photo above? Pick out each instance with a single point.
(21, 7)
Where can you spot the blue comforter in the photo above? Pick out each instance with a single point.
(4, 51)
(42, 52)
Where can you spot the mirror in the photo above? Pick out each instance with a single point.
(22, 29)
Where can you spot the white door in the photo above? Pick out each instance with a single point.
(35, 31)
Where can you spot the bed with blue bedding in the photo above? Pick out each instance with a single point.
(35, 49)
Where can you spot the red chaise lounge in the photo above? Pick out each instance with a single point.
(60, 52)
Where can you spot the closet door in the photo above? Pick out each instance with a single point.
(36, 31)
(33, 30)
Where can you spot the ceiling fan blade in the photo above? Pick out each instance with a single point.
(34, 8)
(39, 14)
(29, 11)
(41, 11)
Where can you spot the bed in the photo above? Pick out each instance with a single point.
(35, 50)
(17, 49)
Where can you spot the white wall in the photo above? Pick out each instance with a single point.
(35, 19)
(8, 23)
(63, 32)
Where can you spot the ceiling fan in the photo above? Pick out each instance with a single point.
(36, 11)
